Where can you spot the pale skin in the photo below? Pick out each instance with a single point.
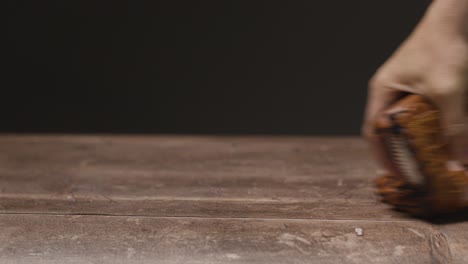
(433, 62)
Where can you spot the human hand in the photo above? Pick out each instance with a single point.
(432, 62)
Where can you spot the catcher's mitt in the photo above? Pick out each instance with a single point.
(424, 178)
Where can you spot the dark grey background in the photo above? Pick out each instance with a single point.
(241, 66)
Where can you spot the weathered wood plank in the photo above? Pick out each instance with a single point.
(200, 176)
(204, 200)
(203, 208)
(186, 167)
(91, 239)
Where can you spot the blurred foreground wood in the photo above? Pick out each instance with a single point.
(181, 199)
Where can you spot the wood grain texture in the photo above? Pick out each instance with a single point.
(207, 199)
(92, 239)
(188, 176)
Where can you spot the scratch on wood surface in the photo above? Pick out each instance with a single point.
(107, 197)
(291, 241)
(416, 232)
(440, 249)
(398, 251)
(232, 256)
(339, 183)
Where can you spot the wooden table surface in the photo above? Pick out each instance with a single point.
(205, 199)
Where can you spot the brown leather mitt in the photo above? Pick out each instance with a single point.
(424, 178)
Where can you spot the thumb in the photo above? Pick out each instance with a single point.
(379, 97)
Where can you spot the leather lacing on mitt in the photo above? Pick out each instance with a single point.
(424, 178)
